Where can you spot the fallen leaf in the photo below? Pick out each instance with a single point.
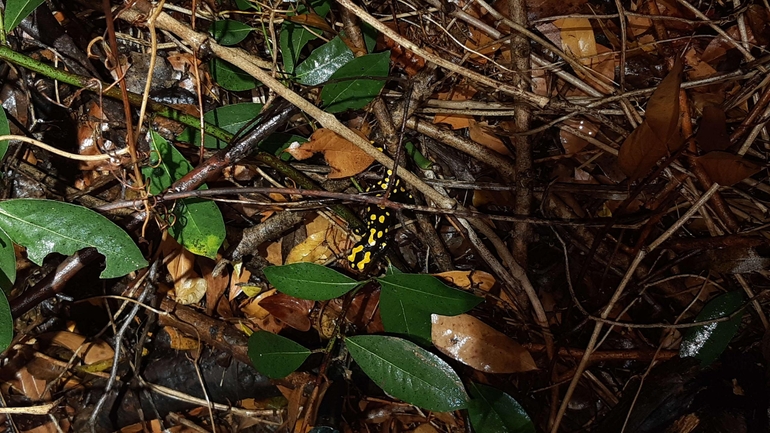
(190, 290)
(179, 341)
(658, 135)
(727, 169)
(478, 133)
(461, 92)
(90, 353)
(478, 345)
(468, 280)
(290, 310)
(577, 38)
(345, 158)
(572, 143)
(712, 133)
(312, 20)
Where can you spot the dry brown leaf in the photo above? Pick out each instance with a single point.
(240, 278)
(425, 428)
(190, 290)
(314, 249)
(727, 169)
(461, 92)
(251, 308)
(572, 143)
(90, 353)
(577, 38)
(345, 158)
(478, 345)
(696, 67)
(179, 341)
(658, 135)
(482, 44)
(312, 20)
(469, 279)
(478, 133)
(290, 310)
(712, 133)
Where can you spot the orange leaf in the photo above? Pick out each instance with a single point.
(476, 344)
(345, 158)
(712, 134)
(727, 169)
(658, 135)
(291, 311)
(479, 134)
(577, 38)
(463, 92)
(312, 20)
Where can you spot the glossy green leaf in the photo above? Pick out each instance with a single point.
(292, 39)
(47, 226)
(403, 317)
(275, 356)
(408, 300)
(323, 62)
(230, 77)
(7, 262)
(493, 411)
(6, 323)
(229, 32)
(309, 281)
(17, 10)
(429, 293)
(351, 91)
(231, 118)
(408, 372)
(707, 342)
(5, 129)
(197, 224)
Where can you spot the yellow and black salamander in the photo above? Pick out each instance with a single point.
(379, 219)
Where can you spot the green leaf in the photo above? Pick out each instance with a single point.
(429, 293)
(244, 5)
(231, 118)
(408, 372)
(5, 129)
(6, 323)
(7, 262)
(292, 39)
(230, 77)
(323, 62)
(277, 142)
(707, 342)
(408, 300)
(419, 159)
(309, 281)
(275, 356)
(229, 32)
(352, 92)
(17, 10)
(47, 226)
(493, 411)
(198, 224)
(319, 7)
(370, 36)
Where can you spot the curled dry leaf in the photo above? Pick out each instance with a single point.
(658, 135)
(478, 345)
(727, 169)
(324, 241)
(345, 158)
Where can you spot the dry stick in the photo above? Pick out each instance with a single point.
(523, 195)
(618, 292)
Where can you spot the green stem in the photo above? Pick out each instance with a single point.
(93, 84)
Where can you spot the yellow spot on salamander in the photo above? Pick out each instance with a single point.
(382, 219)
(371, 240)
(373, 217)
(379, 234)
(365, 261)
